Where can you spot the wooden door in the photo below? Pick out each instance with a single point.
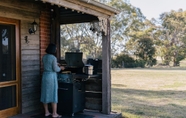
(9, 68)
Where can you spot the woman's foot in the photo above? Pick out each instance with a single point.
(47, 114)
(56, 116)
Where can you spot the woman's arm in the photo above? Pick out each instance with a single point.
(55, 66)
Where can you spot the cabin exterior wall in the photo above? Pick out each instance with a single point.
(32, 49)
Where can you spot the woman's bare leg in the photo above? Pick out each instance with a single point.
(47, 113)
(54, 109)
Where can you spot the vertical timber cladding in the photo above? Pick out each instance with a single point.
(26, 12)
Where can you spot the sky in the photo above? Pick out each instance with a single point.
(153, 8)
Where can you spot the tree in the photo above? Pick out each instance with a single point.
(173, 36)
(142, 41)
(146, 51)
(75, 37)
(121, 24)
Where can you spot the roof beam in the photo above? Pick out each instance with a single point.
(76, 19)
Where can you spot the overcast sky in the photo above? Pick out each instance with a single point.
(153, 8)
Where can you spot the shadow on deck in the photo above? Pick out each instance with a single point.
(85, 114)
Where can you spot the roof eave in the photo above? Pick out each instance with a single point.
(106, 7)
(86, 6)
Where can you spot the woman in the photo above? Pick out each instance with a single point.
(49, 84)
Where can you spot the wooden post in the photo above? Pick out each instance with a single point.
(106, 73)
(57, 33)
(55, 29)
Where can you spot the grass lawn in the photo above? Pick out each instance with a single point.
(149, 93)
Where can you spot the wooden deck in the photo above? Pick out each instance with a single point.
(85, 114)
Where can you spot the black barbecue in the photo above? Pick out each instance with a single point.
(71, 84)
(71, 97)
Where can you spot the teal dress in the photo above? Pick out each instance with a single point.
(49, 84)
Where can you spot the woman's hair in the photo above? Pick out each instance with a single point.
(51, 49)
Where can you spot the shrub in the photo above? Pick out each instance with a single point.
(123, 60)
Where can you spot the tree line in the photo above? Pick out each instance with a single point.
(135, 40)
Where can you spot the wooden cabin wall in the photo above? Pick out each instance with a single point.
(30, 51)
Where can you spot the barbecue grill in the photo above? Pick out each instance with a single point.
(71, 87)
(71, 97)
(71, 83)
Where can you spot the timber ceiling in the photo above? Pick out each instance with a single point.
(68, 16)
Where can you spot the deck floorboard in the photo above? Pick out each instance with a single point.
(85, 114)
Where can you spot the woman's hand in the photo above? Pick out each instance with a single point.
(62, 67)
(58, 64)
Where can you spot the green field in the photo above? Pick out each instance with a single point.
(149, 93)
